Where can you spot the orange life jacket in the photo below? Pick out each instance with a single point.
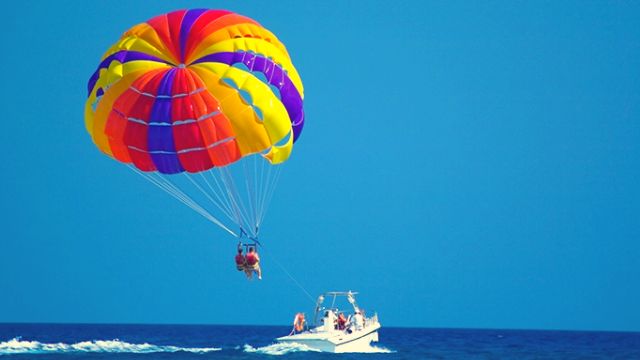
(342, 321)
(298, 324)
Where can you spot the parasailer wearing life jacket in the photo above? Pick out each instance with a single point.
(241, 260)
(253, 263)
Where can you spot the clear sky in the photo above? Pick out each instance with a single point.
(462, 165)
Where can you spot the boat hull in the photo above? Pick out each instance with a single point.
(336, 342)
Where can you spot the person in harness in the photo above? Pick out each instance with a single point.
(241, 262)
(253, 263)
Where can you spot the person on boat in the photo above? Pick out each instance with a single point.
(299, 323)
(329, 320)
(357, 321)
(241, 261)
(253, 263)
(342, 321)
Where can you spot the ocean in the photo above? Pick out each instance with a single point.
(88, 341)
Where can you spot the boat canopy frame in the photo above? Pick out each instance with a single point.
(350, 295)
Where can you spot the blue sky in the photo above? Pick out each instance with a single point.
(462, 165)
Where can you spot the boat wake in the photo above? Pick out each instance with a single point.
(371, 349)
(278, 349)
(286, 348)
(19, 346)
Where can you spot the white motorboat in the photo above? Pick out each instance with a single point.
(332, 331)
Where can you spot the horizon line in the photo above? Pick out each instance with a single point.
(281, 325)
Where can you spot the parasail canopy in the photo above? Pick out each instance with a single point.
(204, 97)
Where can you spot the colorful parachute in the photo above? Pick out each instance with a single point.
(200, 93)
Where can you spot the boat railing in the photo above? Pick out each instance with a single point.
(371, 321)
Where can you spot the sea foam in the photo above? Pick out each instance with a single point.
(376, 349)
(19, 346)
(286, 348)
(278, 349)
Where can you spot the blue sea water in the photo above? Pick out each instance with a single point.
(84, 341)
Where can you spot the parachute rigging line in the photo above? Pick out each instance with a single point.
(304, 290)
(241, 192)
(172, 190)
